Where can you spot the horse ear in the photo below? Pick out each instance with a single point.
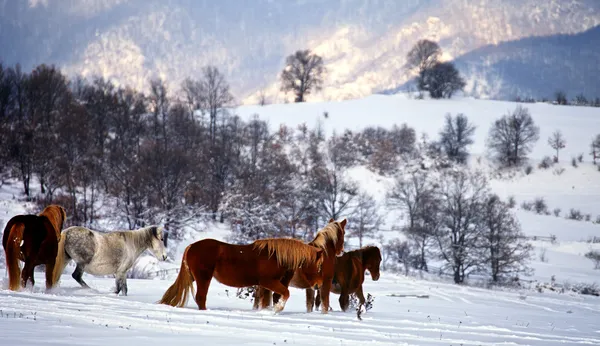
(331, 220)
(343, 223)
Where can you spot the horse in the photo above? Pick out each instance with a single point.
(350, 275)
(33, 239)
(112, 253)
(268, 263)
(331, 240)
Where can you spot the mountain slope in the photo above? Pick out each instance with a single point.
(363, 42)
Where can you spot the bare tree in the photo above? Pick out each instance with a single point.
(557, 142)
(303, 73)
(462, 194)
(512, 137)
(456, 136)
(423, 55)
(595, 148)
(561, 97)
(508, 249)
(416, 196)
(365, 221)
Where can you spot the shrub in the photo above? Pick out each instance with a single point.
(594, 255)
(588, 217)
(528, 169)
(558, 171)
(543, 257)
(512, 202)
(556, 212)
(580, 157)
(575, 214)
(574, 162)
(597, 219)
(527, 206)
(540, 206)
(546, 163)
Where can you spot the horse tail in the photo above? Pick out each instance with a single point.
(12, 247)
(60, 263)
(177, 294)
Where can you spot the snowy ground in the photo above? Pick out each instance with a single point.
(451, 315)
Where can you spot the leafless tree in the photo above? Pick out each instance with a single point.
(508, 250)
(416, 195)
(302, 74)
(557, 142)
(456, 136)
(459, 238)
(512, 137)
(365, 221)
(423, 55)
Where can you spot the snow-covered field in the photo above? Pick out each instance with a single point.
(450, 315)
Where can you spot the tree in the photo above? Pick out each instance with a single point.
(456, 136)
(561, 97)
(557, 142)
(595, 148)
(442, 80)
(416, 196)
(365, 220)
(507, 248)
(512, 137)
(458, 239)
(423, 55)
(303, 72)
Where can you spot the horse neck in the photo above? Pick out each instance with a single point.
(140, 239)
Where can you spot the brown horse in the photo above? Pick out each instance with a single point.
(350, 275)
(268, 263)
(32, 239)
(331, 240)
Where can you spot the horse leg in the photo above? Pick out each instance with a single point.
(78, 276)
(310, 299)
(325, 289)
(277, 287)
(344, 299)
(360, 295)
(317, 298)
(49, 274)
(27, 273)
(121, 281)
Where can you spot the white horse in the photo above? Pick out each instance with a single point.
(111, 253)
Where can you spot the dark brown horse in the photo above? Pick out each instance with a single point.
(350, 275)
(32, 239)
(268, 263)
(330, 239)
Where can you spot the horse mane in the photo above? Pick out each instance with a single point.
(366, 250)
(327, 233)
(142, 236)
(290, 253)
(56, 215)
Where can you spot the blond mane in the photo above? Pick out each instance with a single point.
(56, 215)
(329, 232)
(290, 253)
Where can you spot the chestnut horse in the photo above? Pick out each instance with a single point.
(268, 263)
(331, 240)
(350, 275)
(32, 239)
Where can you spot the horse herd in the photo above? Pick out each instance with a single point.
(269, 265)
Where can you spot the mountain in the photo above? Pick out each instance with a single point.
(363, 42)
(536, 67)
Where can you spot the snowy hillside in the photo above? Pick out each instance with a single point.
(448, 315)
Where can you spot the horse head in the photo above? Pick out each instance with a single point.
(157, 243)
(339, 246)
(371, 258)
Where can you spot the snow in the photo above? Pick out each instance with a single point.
(451, 315)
